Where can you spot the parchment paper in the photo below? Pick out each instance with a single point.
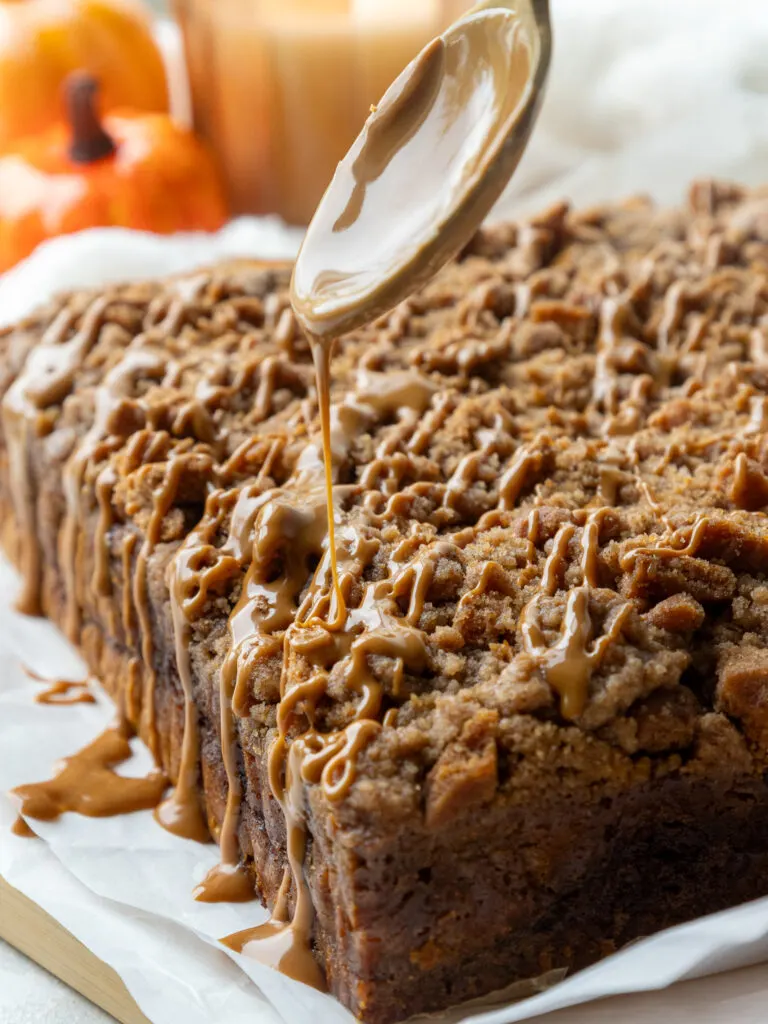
(645, 95)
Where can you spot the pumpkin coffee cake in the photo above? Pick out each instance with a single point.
(539, 729)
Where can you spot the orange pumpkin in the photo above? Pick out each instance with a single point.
(131, 170)
(43, 41)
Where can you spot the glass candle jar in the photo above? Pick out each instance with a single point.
(281, 88)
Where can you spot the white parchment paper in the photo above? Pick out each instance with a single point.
(645, 95)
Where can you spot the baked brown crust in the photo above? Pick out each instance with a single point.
(595, 414)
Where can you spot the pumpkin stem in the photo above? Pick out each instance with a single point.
(90, 140)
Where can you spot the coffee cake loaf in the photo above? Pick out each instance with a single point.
(540, 728)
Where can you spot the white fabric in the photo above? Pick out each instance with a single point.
(646, 95)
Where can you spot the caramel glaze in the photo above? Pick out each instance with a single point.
(181, 462)
(21, 829)
(45, 380)
(568, 665)
(276, 535)
(616, 347)
(86, 783)
(65, 691)
(758, 420)
(61, 691)
(118, 386)
(667, 546)
(181, 812)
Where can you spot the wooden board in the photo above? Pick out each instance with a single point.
(720, 999)
(33, 932)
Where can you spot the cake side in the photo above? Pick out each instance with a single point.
(567, 422)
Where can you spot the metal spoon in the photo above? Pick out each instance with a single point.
(430, 162)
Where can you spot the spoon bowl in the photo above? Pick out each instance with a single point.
(432, 159)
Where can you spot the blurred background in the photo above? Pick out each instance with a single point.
(195, 111)
(644, 96)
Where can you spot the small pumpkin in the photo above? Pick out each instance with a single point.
(130, 170)
(43, 41)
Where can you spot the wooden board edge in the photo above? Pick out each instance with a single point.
(33, 932)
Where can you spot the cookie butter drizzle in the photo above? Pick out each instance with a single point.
(21, 829)
(289, 527)
(45, 380)
(65, 691)
(87, 784)
(569, 664)
(182, 461)
(119, 384)
(337, 285)
(61, 691)
(181, 813)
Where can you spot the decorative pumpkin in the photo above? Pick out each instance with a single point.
(131, 170)
(43, 41)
